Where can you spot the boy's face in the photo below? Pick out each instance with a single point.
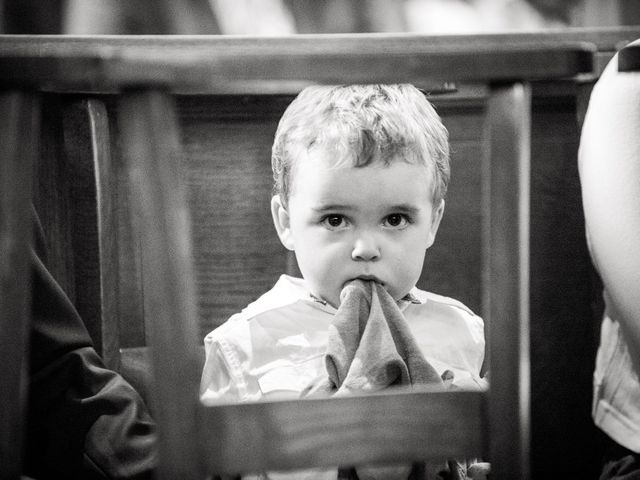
(374, 222)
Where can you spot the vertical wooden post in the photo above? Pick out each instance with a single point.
(88, 149)
(19, 135)
(105, 173)
(151, 151)
(506, 172)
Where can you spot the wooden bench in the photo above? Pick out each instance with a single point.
(112, 107)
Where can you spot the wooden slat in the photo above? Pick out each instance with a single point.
(96, 119)
(249, 64)
(506, 172)
(384, 427)
(609, 38)
(151, 153)
(18, 145)
(604, 39)
(105, 181)
(93, 188)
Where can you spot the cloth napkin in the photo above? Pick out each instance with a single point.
(370, 347)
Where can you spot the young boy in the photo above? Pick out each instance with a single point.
(360, 174)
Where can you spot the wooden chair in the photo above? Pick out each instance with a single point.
(144, 73)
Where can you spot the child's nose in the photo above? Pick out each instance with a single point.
(365, 249)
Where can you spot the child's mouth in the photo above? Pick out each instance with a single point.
(372, 278)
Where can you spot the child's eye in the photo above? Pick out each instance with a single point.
(334, 221)
(396, 220)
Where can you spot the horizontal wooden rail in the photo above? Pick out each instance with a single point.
(293, 434)
(246, 64)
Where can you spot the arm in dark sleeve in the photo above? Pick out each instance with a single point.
(84, 420)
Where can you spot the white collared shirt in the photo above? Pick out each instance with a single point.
(276, 345)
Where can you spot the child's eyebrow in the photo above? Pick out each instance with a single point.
(404, 208)
(331, 207)
(400, 208)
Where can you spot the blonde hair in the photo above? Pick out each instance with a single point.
(362, 124)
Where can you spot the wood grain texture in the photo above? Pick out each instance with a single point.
(87, 152)
(227, 165)
(605, 39)
(19, 132)
(105, 181)
(251, 64)
(453, 264)
(52, 196)
(151, 149)
(132, 327)
(506, 276)
(384, 427)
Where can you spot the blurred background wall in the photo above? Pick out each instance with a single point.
(281, 17)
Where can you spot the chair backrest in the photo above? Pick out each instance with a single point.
(281, 435)
(325, 432)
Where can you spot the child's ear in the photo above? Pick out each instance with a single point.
(281, 221)
(435, 223)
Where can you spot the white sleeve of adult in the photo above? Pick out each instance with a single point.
(609, 165)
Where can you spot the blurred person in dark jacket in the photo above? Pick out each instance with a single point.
(84, 420)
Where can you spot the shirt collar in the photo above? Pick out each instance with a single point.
(410, 298)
